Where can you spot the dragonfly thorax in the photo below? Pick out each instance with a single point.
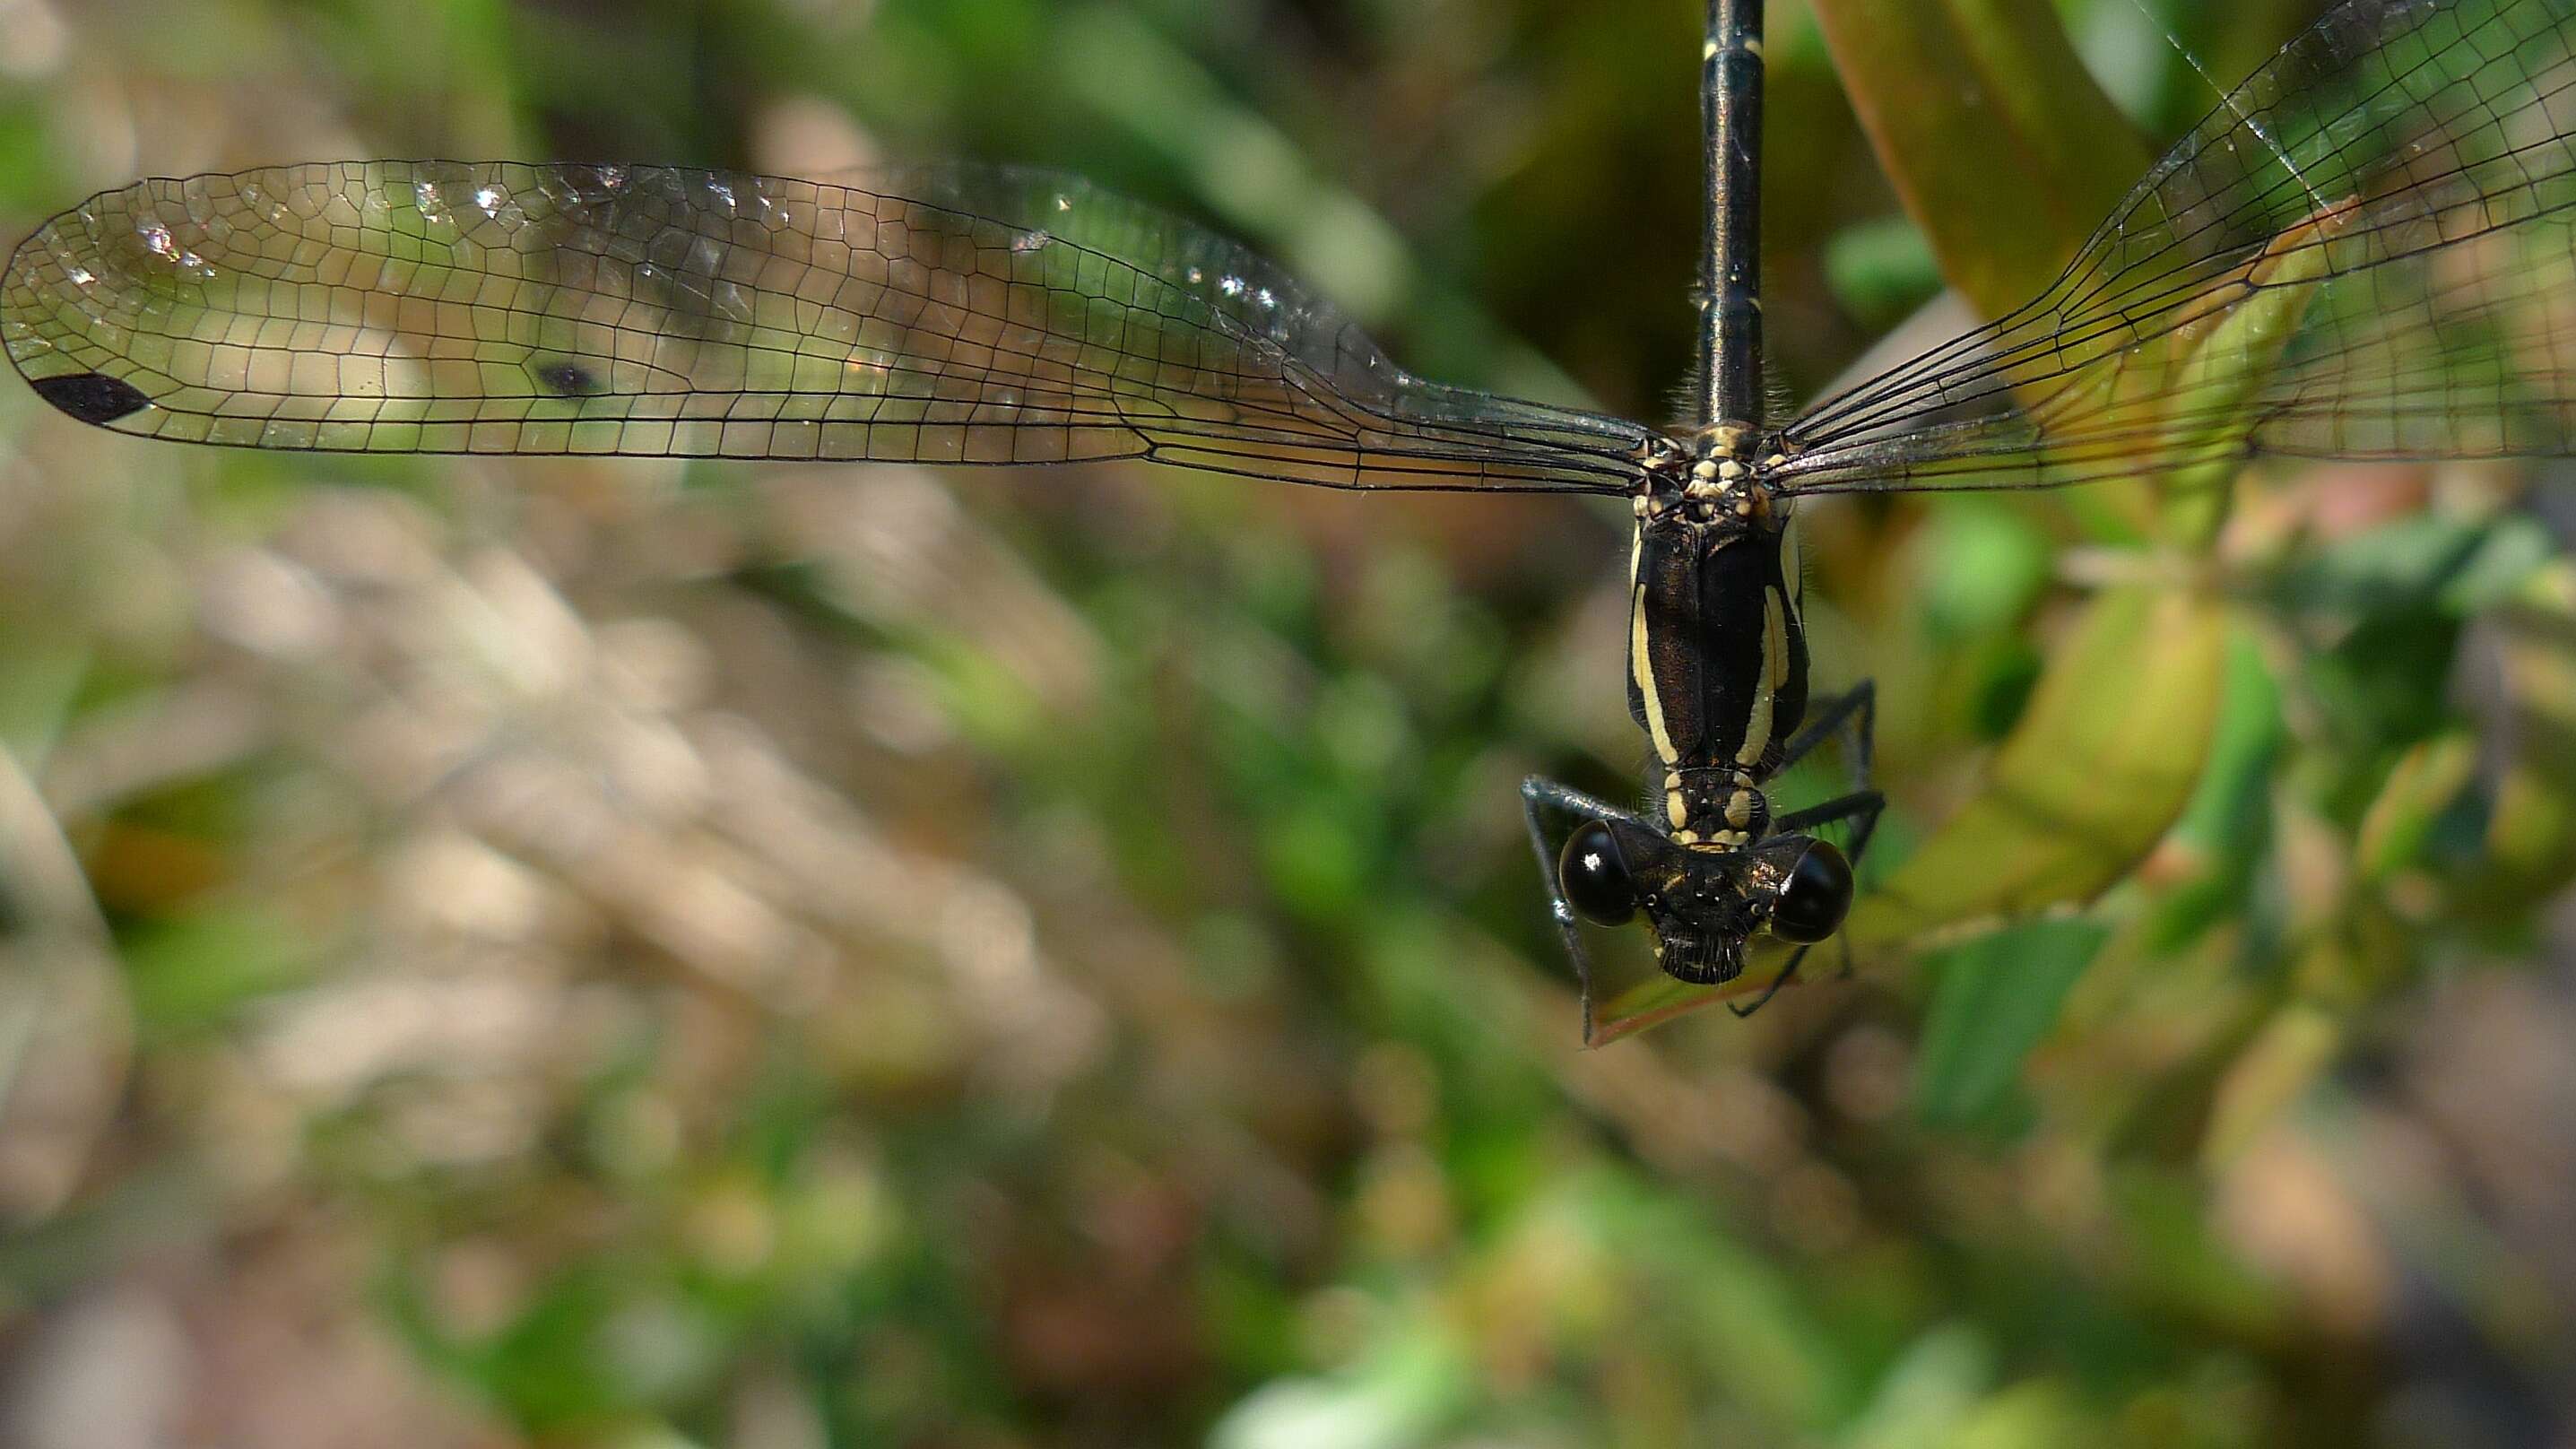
(1716, 649)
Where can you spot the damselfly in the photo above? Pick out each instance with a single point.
(2355, 255)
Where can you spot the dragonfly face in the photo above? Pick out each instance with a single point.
(1705, 903)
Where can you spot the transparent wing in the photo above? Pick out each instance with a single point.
(933, 315)
(2368, 250)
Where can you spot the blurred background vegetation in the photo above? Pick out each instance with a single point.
(633, 953)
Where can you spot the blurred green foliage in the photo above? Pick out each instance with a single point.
(625, 953)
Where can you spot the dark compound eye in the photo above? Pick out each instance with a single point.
(92, 397)
(1595, 877)
(1815, 897)
(567, 379)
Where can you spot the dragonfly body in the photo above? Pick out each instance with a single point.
(1717, 652)
(1718, 681)
(2364, 251)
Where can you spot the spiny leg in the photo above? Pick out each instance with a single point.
(1855, 709)
(1855, 712)
(1787, 974)
(1540, 794)
(1862, 806)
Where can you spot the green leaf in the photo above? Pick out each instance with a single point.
(1413, 1379)
(2531, 832)
(2102, 763)
(39, 683)
(1992, 1001)
(2423, 789)
(1920, 1401)
(1997, 140)
(2286, 1057)
(1660, 998)
(2032, 1415)
(1754, 1319)
(1882, 269)
(195, 972)
(2220, 362)
(2409, 564)
(2227, 829)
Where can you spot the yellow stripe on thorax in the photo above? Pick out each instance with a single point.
(1775, 672)
(1641, 666)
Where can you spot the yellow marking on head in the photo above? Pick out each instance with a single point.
(1739, 809)
(1775, 669)
(1676, 809)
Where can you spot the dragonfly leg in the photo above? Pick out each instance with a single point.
(1856, 710)
(1786, 973)
(1862, 807)
(1856, 713)
(1539, 796)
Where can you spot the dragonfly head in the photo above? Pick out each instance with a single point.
(1704, 903)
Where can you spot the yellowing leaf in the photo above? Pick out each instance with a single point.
(2098, 769)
